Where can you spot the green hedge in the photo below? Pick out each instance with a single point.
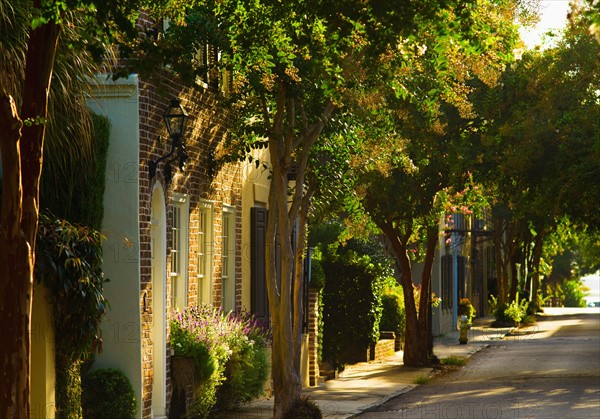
(107, 393)
(352, 306)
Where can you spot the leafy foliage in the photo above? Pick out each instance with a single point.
(227, 348)
(513, 312)
(516, 311)
(393, 316)
(108, 392)
(247, 369)
(536, 148)
(69, 264)
(573, 293)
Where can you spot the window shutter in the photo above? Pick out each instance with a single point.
(259, 299)
(447, 294)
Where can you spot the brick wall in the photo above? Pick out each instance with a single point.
(204, 134)
(382, 349)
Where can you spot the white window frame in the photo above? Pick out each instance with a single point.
(204, 252)
(179, 250)
(228, 237)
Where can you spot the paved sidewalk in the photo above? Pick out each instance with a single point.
(365, 385)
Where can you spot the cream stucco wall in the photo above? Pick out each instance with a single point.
(43, 375)
(119, 101)
(255, 192)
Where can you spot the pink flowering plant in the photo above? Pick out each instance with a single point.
(229, 351)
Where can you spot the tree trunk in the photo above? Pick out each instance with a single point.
(425, 304)
(285, 371)
(514, 276)
(416, 343)
(514, 238)
(285, 300)
(512, 262)
(22, 150)
(537, 257)
(501, 278)
(15, 273)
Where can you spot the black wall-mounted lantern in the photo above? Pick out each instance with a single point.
(175, 118)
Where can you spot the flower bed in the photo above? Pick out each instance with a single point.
(230, 356)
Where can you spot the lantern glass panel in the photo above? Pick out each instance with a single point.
(175, 118)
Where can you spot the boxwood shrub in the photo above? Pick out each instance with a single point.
(108, 393)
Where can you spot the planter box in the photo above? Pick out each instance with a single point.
(184, 380)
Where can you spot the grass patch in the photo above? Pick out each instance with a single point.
(421, 379)
(454, 360)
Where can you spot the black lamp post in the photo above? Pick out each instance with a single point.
(175, 118)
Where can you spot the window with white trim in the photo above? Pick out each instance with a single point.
(179, 249)
(228, 259)
(204, 253)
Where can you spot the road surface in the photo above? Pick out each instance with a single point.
(548, 370)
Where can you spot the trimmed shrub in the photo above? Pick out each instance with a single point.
(574, 293)
(108, 393)
(351, 307)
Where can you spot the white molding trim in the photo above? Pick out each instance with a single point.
(104, 88)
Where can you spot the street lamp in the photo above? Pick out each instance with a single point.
(175, 118)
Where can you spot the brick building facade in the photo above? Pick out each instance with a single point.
(172, 235)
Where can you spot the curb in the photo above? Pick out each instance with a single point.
(383, 400)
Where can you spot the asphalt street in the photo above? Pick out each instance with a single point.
(547, 370)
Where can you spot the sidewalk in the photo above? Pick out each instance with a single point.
(365, 385)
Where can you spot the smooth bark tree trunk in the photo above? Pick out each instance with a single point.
(286, 377)
(537, 257)
(22, 150)
(514, 277)
(285, 296)
(417, 351)
(501, 277)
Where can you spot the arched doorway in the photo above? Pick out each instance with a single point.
(158, 220)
